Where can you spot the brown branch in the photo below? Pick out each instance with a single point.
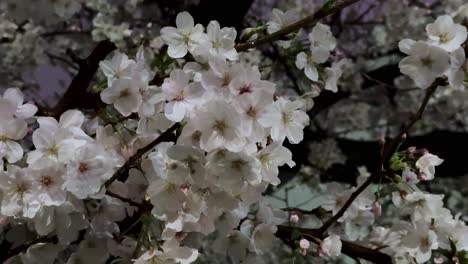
(142, 206)
(388, 150)
(323, 12)
(319, 211)
(77, 95)
(351, 249)
(168, 135)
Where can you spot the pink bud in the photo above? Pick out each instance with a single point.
(377, 209)
(294, 218)
(424, 151)
(304, 245)
(404, 136)
(381, 141)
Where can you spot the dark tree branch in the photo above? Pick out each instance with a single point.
(4, 256)
(348, 248)
(323, 12)
(77, 95)
(122, 172)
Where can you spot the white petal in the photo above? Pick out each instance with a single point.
(15, 151)
(71, 118)
(184, 22)
(178, 51)
(311, 72)
(175, 111)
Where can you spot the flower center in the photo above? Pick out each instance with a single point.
(20, 188)
(179, 96)
(125, 92)
(3, 138)
(52, 150)
(216, 44)
(83, 167)
(252, 112)
(444, 37)
(286, 117)
(427, 61)
(220, 126)
(245, 89)
(46, 180)
(238, 164)
(196, 136)
(186, 38)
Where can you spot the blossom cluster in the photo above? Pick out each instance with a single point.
(440, 55)
(228, 152)
(230, 127)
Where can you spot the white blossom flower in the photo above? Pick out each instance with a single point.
(186, 37)
(181, 95)
(17, 192)
(271, 157)
(219, 125)
(333, 73)
(119, 67)
(12, 130)
(286, 119)
(263, 238)
(220, 42)
(248, 80)
(87, 171)
(307, 62)
(124, 94)
(446, 34)
(426, 165)
(47, 185)
(425, 63)
(57, 140)
(331, 246)
(420, 241)
(321, 37)
(16, 98)
(279, 20)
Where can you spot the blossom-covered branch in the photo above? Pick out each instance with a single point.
(329, 8)
(388, 150)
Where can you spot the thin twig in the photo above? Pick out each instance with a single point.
(323, 12)
(348, 248)
(141, 206)
(168, 135)
(386, 154)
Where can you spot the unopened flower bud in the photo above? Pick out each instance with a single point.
(377, 209)
(381, 141)
(304, 244)
(294, 218)
(403, 137)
